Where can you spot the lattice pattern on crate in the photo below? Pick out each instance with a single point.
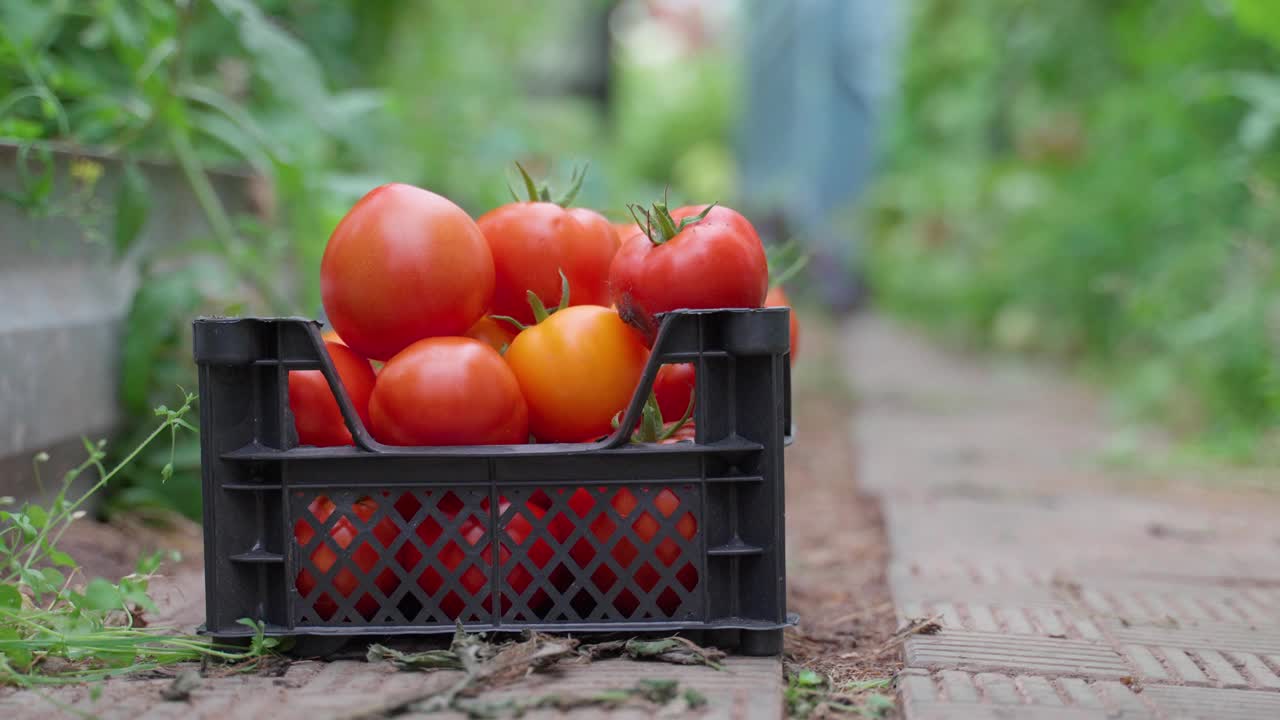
(564, 554)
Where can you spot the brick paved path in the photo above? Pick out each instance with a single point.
(749, 688)
(1064, 590)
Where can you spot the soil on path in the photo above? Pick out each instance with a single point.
(837, 554)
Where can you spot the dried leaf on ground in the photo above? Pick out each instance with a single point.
(182, 686)
(674, 650)
(426, 660)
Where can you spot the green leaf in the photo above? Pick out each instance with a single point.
(14, 652)
(53, 579)
(10, 598)
(148, 564)
(878, 705)
(35, 579)
(102, 595)
(133, 204)
(809, 678)
(1260, 17)
(284, 64)
(57, 557)
(38, 517)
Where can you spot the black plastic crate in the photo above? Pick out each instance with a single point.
(603, 537)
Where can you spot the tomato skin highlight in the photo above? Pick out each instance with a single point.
(316, 415)
(497, 334)
(577, 369)
(717, 262)
(448, 391)
(778, 298)
(402, 265)
(533, 242)
(674, 389)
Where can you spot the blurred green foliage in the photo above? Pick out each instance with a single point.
(322, 100)
(1098, 181)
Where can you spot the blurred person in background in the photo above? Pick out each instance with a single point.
(817, 75)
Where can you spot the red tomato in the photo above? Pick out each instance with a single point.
(533, 242)
(716, 262)
(625, 230)
(343, 533)
(331, 336)
(577, 369)
(497, 334)
(778, 298)
(674, 389)
(315, 410)
(448, 391)
(686, 433)
(404, 264)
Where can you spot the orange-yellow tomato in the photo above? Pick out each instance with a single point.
(576, 369)
(778, 298)
(497, 334)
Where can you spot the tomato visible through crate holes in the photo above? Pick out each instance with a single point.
(402, 265)
(533, 242)
(608, 535)
(452, 557)
(345, 580)
(316, 415)
(715, 262)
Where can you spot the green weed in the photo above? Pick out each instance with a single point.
(57, 629)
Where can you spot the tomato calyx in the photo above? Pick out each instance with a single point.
(651, 428)
(658, 224)
(540, 311)
(541, 192)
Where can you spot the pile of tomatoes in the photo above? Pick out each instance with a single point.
(531, 324)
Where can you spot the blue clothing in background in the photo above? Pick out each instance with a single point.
(818, 72)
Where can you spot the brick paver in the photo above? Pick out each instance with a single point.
(1064, 589)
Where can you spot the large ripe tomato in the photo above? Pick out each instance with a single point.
(715, 262)
(497, 334)
(404, 264)
(778, 298)
(316, 415)
(577, 369)
(673, 387)
(448, 391)
(364, 558)
(533, 242)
